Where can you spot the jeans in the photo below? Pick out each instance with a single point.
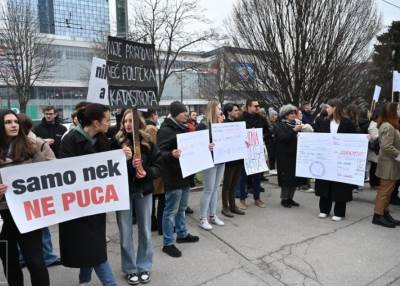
(31, 248)
(256, 184)
(102, 270)
(143, 261)
(174, 215)
(211, 180)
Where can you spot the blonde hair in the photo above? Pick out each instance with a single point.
(211, 115)
(124, 138)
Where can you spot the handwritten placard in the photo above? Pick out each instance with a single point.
(229, 140)
(333, 157)
(254, 161)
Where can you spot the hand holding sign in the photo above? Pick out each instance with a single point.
(3, 189)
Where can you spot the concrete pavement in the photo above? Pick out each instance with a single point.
(271, 246)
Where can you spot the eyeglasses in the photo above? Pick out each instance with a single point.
(256, 106)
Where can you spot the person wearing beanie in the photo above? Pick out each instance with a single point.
(176, 188)
(286, 148)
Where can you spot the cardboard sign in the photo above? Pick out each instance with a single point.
(333, 157)
(195, 155)
(131, 74)
(98, 87)
(377, 93)
(229, 140)
(396, 81)
(47, 193)
(254, 161)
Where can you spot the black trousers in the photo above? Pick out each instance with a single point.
(31, 248)
(325, 206)
(157, 214)
(373, 179)
(231, 177)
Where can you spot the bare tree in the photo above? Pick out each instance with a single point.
(27, 55)
(164, 23)
(306, 50)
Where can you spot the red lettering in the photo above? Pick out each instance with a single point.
(32, 209)
(47, 206)
(83, 202)
(67, 198)
(111, 194)
(97, 200)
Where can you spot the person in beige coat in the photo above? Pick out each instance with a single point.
(388, 168)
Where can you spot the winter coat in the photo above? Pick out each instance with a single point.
(307, 117)
(337, 192)
(389, 141)
(158, 183)
(192, 125)
(286, 149)
(256, 121)
(152, 164)
(54, 131)
(166, 140)
(82, 240)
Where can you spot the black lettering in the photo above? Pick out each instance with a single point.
(69, 177)
(19, 187)
(89, 171)
(101, 171)
(34, 184)
(113, 168)
(49, 181)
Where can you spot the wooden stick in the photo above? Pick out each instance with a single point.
(136, 139)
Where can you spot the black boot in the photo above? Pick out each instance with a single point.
(293, 203)
(381, 220)
(387, 215)
(286, 203)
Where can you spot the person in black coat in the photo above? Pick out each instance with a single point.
(137, 266)
(286, 148)
(176, 188)
(51, 129)
(83, 240)
(329, 191)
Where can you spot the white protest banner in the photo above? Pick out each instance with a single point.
(195, 155)
(377, 93)
(396, 81)
(229, 140)
(333, 157)
(254, 161)
(47, 193)
(98, 87)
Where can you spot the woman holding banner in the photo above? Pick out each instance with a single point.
(211, 177)
(16, 148)
(330, 191)
(388, 168)
(138, 267)
(286, 148)
(83, 240)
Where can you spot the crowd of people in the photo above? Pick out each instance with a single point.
(159, 194)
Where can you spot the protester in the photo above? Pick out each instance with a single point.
(271, 147)
(212, 176)
(388, 168)
(322, 116)
(286, 148)
(17, 149)
(83, 240)
(151, 119)
(192, 121)
(51, 129)
(232, 171)
(373, 148)
(253, 120)
(329, 191)
(137, 267)
(176, 188)
(307, 113)
(26, 125)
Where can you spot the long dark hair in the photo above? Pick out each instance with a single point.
(389, 114)
(339, 113)
(22, 148)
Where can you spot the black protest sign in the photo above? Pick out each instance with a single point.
(142, 97)
(131, 74)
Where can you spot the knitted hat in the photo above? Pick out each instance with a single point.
(286, 109)
(176, 108)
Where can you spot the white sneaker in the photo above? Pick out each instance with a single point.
(273, 172)
(215, 220)
(310, 190)
(337, 218)
(204, 224)
(322, 215)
